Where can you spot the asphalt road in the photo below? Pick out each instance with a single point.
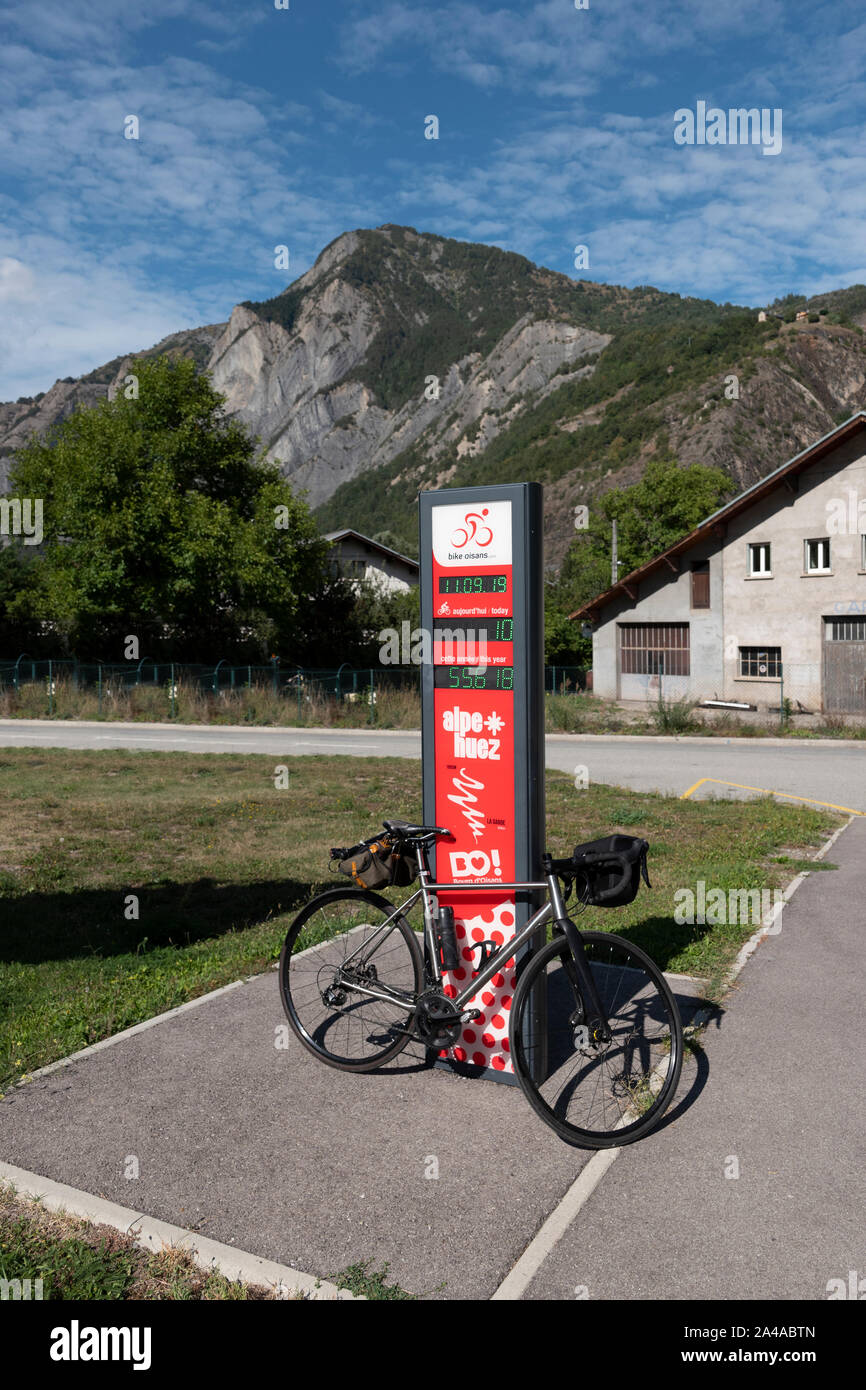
(827, 771)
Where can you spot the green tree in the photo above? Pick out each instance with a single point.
(667, 503)
(161, 521)
(16, 575)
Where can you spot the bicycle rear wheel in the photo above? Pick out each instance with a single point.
(599, 1096)
(328, 960)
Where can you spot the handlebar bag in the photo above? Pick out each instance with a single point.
(610, 870)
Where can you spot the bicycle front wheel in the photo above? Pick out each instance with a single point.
(594, 1095)
(342, 979)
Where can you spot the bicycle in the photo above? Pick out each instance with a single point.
(358, 983)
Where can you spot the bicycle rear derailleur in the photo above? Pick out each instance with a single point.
(437, 1022)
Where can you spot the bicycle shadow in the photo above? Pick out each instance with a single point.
(570, 1072)
(108, 922)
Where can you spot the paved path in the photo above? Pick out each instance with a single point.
(827, 771)
(780, 1091)
(268, 1150)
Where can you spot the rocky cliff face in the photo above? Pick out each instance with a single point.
(36, 415)
(302, 389)
(402, 360)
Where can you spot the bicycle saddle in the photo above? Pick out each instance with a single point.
(414, 832)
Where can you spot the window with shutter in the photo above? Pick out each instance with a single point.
(701, 584)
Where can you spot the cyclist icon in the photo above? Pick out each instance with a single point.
(470, 531)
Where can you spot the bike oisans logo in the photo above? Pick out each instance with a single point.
(475, 864)
(480, 534)
(77, 1343)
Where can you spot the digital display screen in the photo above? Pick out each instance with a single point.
(473, 583)
(471, 678)
(492, 629)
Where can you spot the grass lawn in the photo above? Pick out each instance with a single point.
(215, 860)
(77, 1260)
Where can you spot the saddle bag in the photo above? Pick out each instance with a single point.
(378, 865)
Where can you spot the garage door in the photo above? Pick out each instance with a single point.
(845, 665)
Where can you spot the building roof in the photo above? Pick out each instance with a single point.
(335, 536)
(713, 524)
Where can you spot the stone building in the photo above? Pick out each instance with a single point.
(359, 558)
(765, 600)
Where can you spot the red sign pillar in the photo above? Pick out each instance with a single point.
(481, 567)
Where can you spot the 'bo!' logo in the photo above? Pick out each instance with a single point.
(475, 864)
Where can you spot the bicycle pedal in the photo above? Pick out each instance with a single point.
(470, 1015)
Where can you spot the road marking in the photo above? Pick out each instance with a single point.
(321, 743)
(768, 791)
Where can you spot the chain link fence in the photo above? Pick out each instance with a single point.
(291, 683)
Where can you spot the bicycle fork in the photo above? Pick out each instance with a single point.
(576, 965)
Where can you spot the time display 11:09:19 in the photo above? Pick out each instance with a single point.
(473, 583)
(474, 677)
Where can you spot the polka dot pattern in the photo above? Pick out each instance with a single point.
(484, 1042)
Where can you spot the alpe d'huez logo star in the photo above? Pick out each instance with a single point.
(474, 529)
(466, 725)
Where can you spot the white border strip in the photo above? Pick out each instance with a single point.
(154, 1235)
(157, 1018)
(129, 1032)
(516, 1282)
(767, 924)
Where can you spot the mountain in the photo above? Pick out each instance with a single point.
(36, 414)
(403, 360)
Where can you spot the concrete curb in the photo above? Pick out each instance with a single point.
(154, 1235)
(708, 741)
(367, 730)
(363, 729)
(131, 1032)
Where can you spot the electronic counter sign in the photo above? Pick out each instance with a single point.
(483, 735)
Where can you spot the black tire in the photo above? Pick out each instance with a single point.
(589, 1103)
(352, 1032)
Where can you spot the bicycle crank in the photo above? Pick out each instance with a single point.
(437, 1022)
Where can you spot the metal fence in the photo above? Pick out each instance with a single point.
(298, 683)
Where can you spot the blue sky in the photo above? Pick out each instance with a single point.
(261, 127)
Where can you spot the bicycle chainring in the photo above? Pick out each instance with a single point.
(437, 1022)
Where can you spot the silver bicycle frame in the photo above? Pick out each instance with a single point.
(428, 891)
